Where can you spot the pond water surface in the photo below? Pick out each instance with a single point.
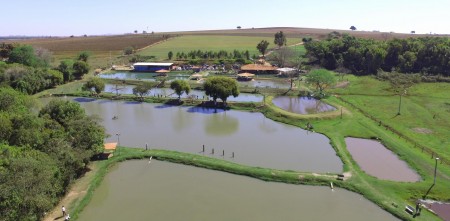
(128, 89)
(137, 190)
(254, 139)
(140, 75)
(376, 160)
(151, 77)
(302, 105)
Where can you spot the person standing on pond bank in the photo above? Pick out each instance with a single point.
(63, 210)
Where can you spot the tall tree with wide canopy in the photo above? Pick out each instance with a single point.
(80, 68)
(94, 84)
(143, 89)
(320, 79)
(262, 47)
(280, 39)
(221, 87)
(180, 86)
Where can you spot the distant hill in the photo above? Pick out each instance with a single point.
(301, 32)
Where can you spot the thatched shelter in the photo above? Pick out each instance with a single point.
(258, 69)
(245, 76)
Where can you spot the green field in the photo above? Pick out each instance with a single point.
(188, 43)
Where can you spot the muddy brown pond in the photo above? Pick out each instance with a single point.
(138, 190)
(376, 160)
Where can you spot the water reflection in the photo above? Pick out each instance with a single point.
(136, 190)
(167, 92)
(302, 105)
(255, 140)
(221, 125)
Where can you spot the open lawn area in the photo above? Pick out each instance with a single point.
(188, 43)
(424, 111)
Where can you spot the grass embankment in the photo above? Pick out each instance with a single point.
(189, 43)
(391, 196)
(204, 162)
(373, 98)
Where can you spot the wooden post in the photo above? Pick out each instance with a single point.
(232, 155)
(203, 148)
(223, 152)
(212, 151)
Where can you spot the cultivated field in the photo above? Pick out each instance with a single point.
(215, 43)
(293, 32)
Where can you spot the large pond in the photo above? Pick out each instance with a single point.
(151, 77)
(140, 76)
(302, 105)
(128, 89)
(378, 161)
(254, 139)
(265, 84)
(137, 190)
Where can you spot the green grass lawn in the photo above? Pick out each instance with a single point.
(425, 110)
(187, 43)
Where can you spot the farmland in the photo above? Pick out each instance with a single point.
(214, 43)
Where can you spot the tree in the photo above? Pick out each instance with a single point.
(66, 68)
(320, 79)
(262, 47)
(413, 32)
(23, 54)
(400, 83)
(135, 31)
(55, 77)
(170, 55)
(238, 27)
(280, 39)
(96, 84)
(29, 183)
(283, 56)
(128, 50)
(353, 28)
(143, 89)
(5, 50)
(43, 57)
(62, 111)
(80, 68)
(221, 87)
(84, 56)
(180, 86)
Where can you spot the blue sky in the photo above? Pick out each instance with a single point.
(92, 17)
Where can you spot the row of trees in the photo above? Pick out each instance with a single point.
(41, 153)
(28, 70)
(428, 56)
(222, 54)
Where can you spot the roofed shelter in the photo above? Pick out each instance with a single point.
(108, 150)
(151, 67)
(162, 72)
(258, 69)
(245, 76)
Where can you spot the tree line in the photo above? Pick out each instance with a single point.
(199, 54)
(41, 152)
(27, 69)
(426, 55)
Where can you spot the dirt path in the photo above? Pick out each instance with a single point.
(76, 193)
(272, 50)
